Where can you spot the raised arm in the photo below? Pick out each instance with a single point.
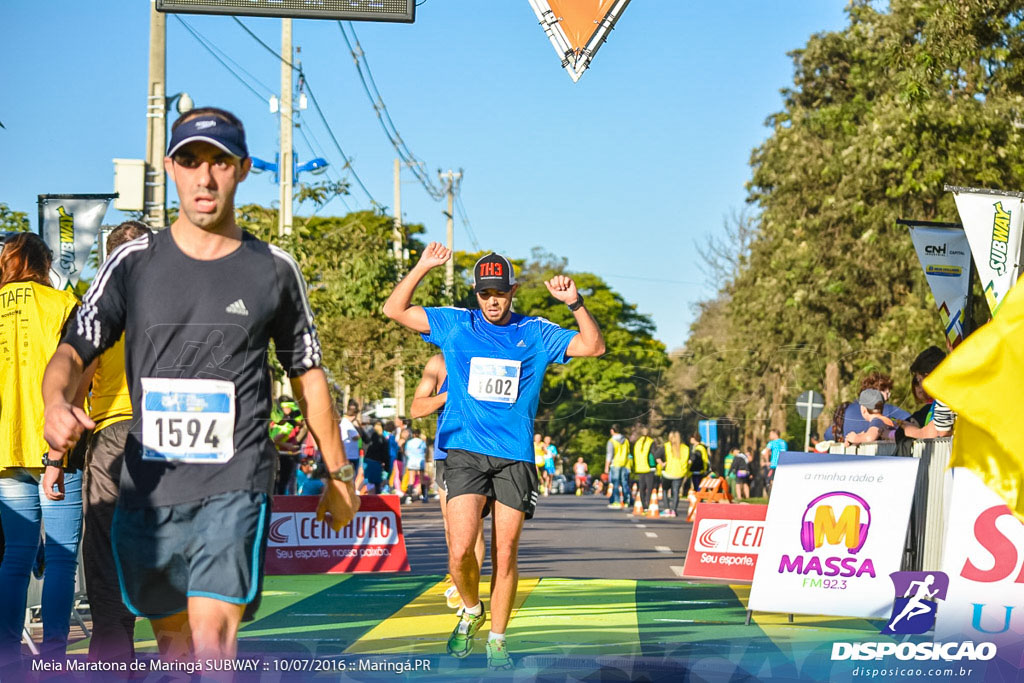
(399, 306)
(424, 402)
(589, 342)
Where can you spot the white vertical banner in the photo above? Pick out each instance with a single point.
(834, 531)
(70, 224)
(945, 256)
(983, 556)
(992, 221)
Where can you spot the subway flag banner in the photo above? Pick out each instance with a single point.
(372, 542)
(69, 224)
(833, 533)
(945, 256)
(992, 221)
(725, 542)
(983, 556)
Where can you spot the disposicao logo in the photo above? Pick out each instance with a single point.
(819, 526)
(917, 596)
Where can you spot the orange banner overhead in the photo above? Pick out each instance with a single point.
(577, 28)
(580, 18)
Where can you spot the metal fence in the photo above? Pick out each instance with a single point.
(923, 550)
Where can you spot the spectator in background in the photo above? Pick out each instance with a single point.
(853, 420)
(675, 456)
(38, 486)
(351, 440)
(871, 403)
(936, 417)
(770, 455)
(288, 431)
(617, 466)
(700, 461)
(740, 470)
(375, 458)
(416, 463)
(644, 465)
(307, 483)
(398, 434)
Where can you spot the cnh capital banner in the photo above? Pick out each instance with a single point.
(945, 256)
(372, 542)
(834, 531)
(69, 224)
(992, 221)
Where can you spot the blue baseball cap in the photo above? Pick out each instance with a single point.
(212, 129)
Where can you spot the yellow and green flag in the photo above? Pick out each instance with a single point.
(983, 381)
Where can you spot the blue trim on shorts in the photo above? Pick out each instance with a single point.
(120, 575)
(254, 576)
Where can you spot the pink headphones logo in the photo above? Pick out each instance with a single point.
(834, 531)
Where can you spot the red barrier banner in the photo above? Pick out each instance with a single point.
(372, 542)
(725, 542)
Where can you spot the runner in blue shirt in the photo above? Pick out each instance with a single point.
(495, 360)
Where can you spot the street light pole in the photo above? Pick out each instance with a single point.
(284, 223)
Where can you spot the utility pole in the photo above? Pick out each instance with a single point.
(396, 245)
(156, 123)
(452, 179)
(284, 162)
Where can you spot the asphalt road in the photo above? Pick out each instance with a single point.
(569, 537)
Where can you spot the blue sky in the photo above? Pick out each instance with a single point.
(622, 173)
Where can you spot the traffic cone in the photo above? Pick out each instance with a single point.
(638, 507)
(692, 498)
(653, 510)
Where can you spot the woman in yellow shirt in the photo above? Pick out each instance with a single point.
(32, 315)
(676, 457)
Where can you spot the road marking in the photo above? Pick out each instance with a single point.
(663, 548)
(650, 534)
(678, 571)
(641, 526)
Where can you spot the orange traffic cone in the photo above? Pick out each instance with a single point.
(653, 510)
(692, 498)
(638, 507)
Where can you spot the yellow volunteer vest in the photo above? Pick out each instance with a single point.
(641, 449)
(677, 462)
(31, 318)
(110, 401)
(540, 453)
(705, 460)
(620, 453)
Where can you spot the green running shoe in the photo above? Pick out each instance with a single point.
(497, 656)
(460, 643)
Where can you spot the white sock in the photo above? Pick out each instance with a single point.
(477, 610)
(495, 636)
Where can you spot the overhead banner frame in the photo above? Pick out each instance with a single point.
(577, 28)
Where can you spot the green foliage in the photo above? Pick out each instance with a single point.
(13, 221)
(880, 116)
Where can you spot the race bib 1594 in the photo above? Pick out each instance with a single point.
(188, 420)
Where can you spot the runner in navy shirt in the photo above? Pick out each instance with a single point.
(495, 361)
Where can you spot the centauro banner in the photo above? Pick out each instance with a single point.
(70, 223)
(834, 531)
(992, 221)
(945, 256)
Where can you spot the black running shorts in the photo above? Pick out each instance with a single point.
(510, 482)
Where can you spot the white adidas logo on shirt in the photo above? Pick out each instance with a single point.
(521, 343)
(237, 307)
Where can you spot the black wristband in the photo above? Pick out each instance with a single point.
(52, 463)
(576, 305)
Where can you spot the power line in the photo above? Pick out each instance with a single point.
(208, 47)
(465, 219)
(319, 111)
(384, 116)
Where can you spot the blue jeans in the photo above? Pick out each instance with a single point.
(618, 478)
(22, 506)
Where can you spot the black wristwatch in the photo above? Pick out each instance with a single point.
(52, 463)
(576, 305)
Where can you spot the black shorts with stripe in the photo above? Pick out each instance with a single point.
(510, 482)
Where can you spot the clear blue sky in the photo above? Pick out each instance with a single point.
(622, 173)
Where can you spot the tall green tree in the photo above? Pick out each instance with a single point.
(880, 116)
(13, 221)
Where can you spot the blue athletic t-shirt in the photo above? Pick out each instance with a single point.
(439, 452)
(777, 446)
(495, 374)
